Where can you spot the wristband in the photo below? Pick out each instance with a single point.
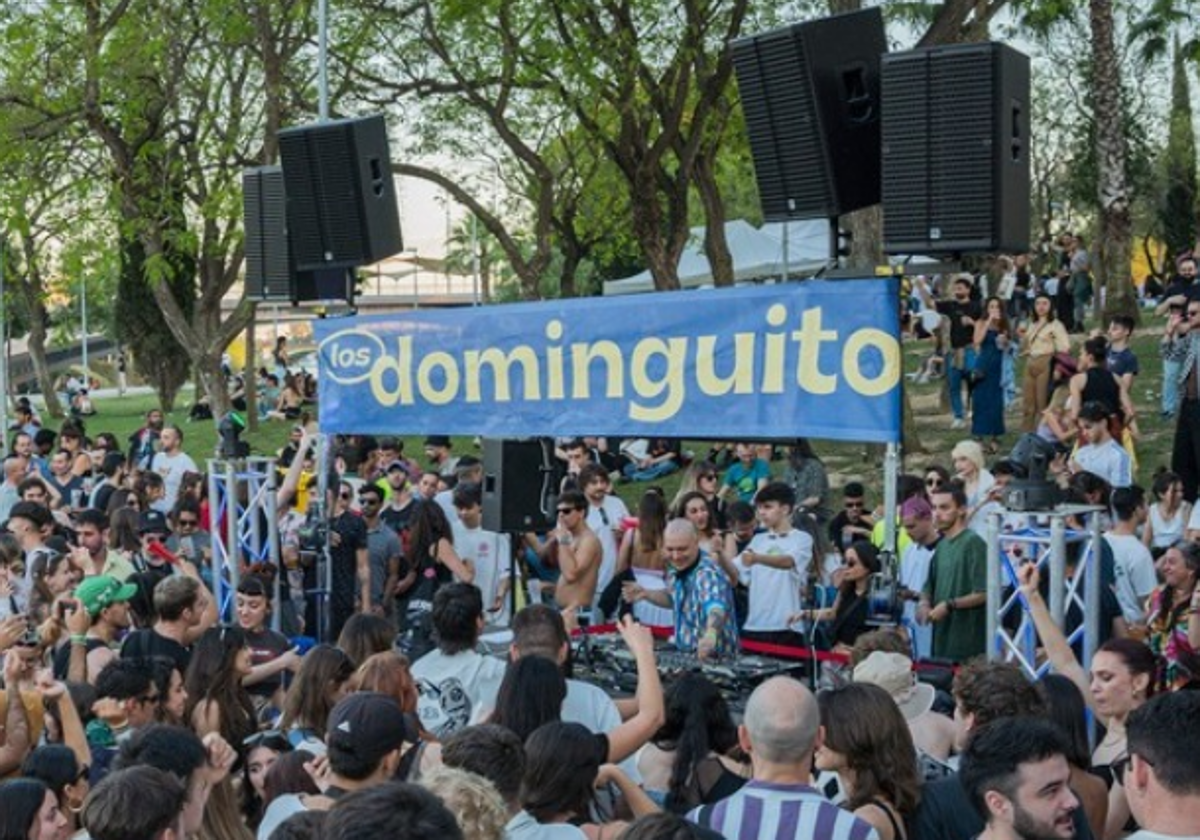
(950, 605)
(78, 639)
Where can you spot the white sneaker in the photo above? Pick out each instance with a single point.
(958, 423)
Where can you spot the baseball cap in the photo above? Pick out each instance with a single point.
(894, 674)
(396, 465)
(100, 591)
(438, 440)
(367, 725)
(153, 522)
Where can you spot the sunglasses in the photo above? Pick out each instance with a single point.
(565, 511)
(854, 505)
(188, 523)
(933, 482)
(271, 738)
(345, 497)
(368, 501)
(708, 477)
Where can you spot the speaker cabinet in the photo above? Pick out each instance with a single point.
(268, 267)
(810, 93)
(341, 197)
(520, 484)
(956, 150)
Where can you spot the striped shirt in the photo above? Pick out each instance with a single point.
(762, 811)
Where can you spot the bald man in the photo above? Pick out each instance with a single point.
(700, 594)
(780, 732)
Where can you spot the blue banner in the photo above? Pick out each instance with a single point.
(816, 359)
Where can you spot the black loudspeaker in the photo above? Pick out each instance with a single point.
(325, 284)
(341, 198)
(810, 93)
(520, 484)
(268, 267)
(956, 150)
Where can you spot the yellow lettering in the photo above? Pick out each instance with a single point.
(674, 351)
(810, 336)
(772, 373)
(399, 366)
(887, 346)
(740, 379)
(582, 355)
(430, 392)
(501, 364)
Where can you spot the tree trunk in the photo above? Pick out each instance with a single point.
(1114, 236)
(716, 247)
(41, 368)
(208, 370)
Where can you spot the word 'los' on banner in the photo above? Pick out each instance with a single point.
(815, 359)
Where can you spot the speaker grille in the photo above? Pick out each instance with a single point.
(268, 265)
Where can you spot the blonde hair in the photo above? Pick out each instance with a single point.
(971, 450)
(473, 800)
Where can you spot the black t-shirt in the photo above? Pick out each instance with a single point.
(400, 521)
(353, 532)
(265, 646)
(151, 643)
(961, 335)
(946, 813)
(841, 521)
(62, 656)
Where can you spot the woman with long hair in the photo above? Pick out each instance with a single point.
(431, 548)
(172, 694)
(320, 683)
(562, 772)
(694, 758)
(848, 616)
(1121, 679)
(868, 744)
(58, 768)
(123, 523)
(1040, 341)
(987, 394)
(977, 481)
(389, 673)
(1066, 708)
(701, 477)
(29, 811)
(1168, 515)
(216, 699)
(263, 749)
(365, 635)
(55, 578)
(640, 560)
(1174, 616)
(697, 509)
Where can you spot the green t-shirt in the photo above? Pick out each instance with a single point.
(959, 568)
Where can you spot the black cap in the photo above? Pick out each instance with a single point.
(367, 725)
(438, 440)
(153, 522)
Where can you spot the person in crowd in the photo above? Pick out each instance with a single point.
(1122, 362)
(66, 488)
(454, 680)
(271, 654)
(701, 477)
(775, 567)
(1163, 770)
(323, 680)
(365, 735)
(640, 559)
(661, 458)
(806, 474)
(1169, 515)
(978, 484)
(188, 538)
(468, 471)
(1173, 616)
(433, 561)
(606, 515)
(563, 769)
(105, 600)
(847, 618)
(1016, 773)
(580, 554)
(962, 312)
(438, 451)
(1181, 346)
(54, 580)
(868, 744)
(30, 811)
(92, 533)
(1043, 338)
(349, 560)
(956, 590)
(217, 700)
(59, 769)
(932, 734)
(990, 340)
(140, 803)
(171, 462)
(472, 800)
(389, 673)
(489, 553)
(383, 554)
(185, 610)
(262, 750)
(747, 475)
(916, 518)
(694, 758)
(394, 810)
(1123, 674)
(698, 510)
(1066, 709)
(112, 475)
(172, 695)
(700, 595)
(854, 521)
(364, 636)
(1133, 564)
(1098, 453)
(781, 732)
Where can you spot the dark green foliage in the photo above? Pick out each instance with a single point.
(1178, 210)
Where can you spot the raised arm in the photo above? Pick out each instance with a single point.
(1057, 649)
(629, 737)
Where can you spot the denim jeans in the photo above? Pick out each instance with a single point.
(650, 473)
(1170, 386)
(956, 377)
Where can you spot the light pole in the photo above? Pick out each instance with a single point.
(83, 318)
(3, 355)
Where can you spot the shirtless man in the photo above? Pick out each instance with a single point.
(579, 553)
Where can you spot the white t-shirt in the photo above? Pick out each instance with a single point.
(775, 593)
(280, 809)
(171, 468)
(445, 500)
(451, 688)
(605, 520)
(524, 827)
(1154, 835)
(491, 555)
(914, 572)
(1133, 567)
(590, 706)
(649, 613)
(1108, 460)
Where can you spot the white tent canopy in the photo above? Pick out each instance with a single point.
(757, 254)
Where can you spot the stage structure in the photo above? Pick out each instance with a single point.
(245, 531)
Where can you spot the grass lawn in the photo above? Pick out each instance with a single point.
(844, 461)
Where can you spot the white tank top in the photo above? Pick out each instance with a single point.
(1166, 533)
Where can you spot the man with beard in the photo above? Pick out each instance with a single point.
(1162, 780)
(1016, 773)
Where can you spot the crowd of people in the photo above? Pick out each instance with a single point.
(431, 691)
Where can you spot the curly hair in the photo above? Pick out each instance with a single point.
(472, 799)
(994, 690)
